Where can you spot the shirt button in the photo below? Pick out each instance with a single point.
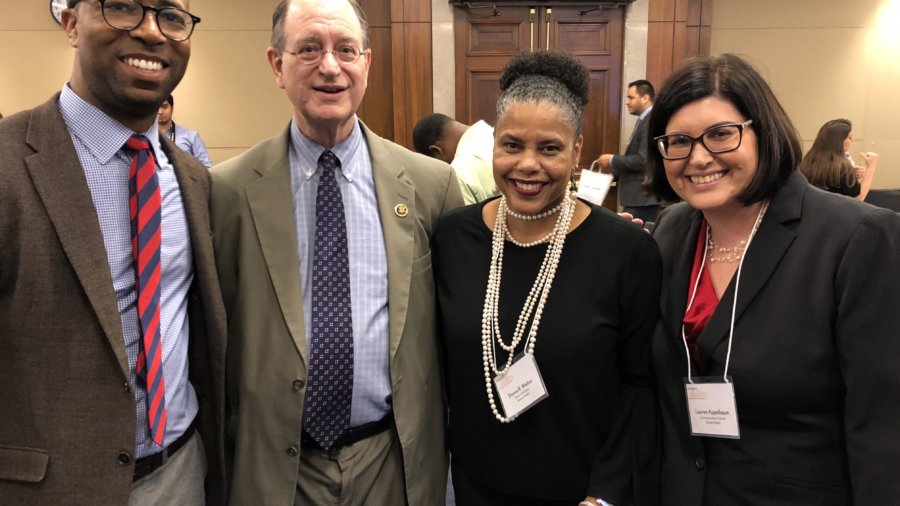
(292, 451)
(700, 462)
(124, 458)
(298, 385)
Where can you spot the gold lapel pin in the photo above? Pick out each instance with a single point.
(401, 210)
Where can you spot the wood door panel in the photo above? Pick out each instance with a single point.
(485, 89)
(494, 39)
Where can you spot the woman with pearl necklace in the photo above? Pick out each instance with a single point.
(547, 305)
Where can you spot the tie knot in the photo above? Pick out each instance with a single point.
(137, 143)
(329, 160)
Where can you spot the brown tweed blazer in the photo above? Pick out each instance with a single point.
(67, 420)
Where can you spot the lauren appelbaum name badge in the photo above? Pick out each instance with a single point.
(711, 407)
(521, 387)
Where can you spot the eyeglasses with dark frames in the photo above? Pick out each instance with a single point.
(126, 15)
(718, 139)
(311, 54)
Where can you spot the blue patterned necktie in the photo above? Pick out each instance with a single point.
(330, 382)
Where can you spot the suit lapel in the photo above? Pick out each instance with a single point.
(683, 239)
(768, 247)
(391, 189)
(62, 187)
(270, 202)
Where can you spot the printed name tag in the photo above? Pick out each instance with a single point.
(593, 186)
(711, 407)
(521, 387)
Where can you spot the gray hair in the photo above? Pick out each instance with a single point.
(278, 16)
(539, 89)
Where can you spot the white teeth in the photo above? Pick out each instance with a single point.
(529, 186)
(708, 178)
(144, 64)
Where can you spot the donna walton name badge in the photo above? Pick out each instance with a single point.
(711, 407)
(521, 387)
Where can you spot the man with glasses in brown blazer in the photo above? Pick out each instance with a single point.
(111, 322)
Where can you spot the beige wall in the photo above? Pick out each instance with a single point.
(825, 59)
(228, 93)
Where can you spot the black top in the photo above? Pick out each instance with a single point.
(851, 190)
(595, 433)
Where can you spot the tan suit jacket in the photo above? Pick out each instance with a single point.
(256, 246)
(67, 412)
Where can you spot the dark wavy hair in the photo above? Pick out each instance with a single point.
(551, 77)
(730, 78)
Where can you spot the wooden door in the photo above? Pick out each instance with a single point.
(486, 39)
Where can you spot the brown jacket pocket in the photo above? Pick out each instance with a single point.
(19, 463)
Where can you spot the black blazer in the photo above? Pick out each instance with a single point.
(629, 169)
(815, 358)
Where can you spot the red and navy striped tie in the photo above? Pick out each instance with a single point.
(146, 233)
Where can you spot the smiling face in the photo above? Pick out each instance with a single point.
(535, 151)
(327, 94)
(129, 74)
(711, 182)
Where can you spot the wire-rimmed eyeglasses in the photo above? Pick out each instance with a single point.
(126, 15)
(311, 54)
(718, 139)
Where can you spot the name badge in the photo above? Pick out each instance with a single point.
(521, 387)
(711, 407)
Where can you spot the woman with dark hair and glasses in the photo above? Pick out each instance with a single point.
(778, 349)
(829, 165)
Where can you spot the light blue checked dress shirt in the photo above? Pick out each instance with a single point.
(98, 142)
(368, 261)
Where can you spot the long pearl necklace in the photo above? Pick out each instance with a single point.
(534, 304)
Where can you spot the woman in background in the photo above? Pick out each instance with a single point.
(778, 353)
(829, 165)
(518, 309)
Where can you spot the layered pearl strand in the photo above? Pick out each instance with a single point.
(716, 253)
(537, 297)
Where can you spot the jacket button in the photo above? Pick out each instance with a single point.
(124, 458)
(298, 385)
(293, 451)
(700, 462)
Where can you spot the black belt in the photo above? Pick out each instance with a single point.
(146, 465)
(349, 436)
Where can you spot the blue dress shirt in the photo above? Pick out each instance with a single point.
(98, 141)
(368, 262)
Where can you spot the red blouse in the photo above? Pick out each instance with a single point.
(705, 300)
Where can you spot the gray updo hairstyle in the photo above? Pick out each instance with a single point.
(550, 77)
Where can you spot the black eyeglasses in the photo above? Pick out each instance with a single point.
(126, 15)
(311, 54)
(718, 139)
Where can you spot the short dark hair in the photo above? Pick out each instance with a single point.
(643, 87)
(277, 40)
(428, 131)
(171, 100)
(730, 78)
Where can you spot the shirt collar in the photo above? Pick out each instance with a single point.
(645, 113)
(308, 151)
(101, 135)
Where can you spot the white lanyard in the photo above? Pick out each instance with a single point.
(737, 282)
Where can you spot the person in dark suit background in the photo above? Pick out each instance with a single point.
(79, 368)
(629, 169)
(789, 291)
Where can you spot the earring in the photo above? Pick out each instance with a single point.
(573, 186)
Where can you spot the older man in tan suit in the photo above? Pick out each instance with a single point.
(322, 236)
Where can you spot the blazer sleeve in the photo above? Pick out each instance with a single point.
(633, 439)
(635, 158)
(867, 335)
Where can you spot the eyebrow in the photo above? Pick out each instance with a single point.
(707, 129)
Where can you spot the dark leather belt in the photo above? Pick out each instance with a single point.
(146, 465)
(349, 436)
